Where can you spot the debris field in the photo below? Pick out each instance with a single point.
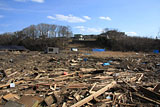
(74, 79)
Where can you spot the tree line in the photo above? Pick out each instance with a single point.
(45, 31)
(38, 37)
(118, 41)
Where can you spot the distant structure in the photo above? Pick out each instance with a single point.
(52, 50)
(79, 37)
(13, 48)
(114, 34)
(74, 49)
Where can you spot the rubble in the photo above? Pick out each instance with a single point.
(73, 79)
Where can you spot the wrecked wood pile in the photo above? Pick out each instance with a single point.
(73, 80)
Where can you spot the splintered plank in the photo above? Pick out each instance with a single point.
(96, 94)
(11, 96)
(156, 88)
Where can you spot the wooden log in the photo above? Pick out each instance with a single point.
(12, 74)
(146, 98)
(74, 86)
(87, 69)
(92, 87)
(142, 75)
(150, 94)
(156, 88)
(16, 83)
(125, 104)
(96, 94)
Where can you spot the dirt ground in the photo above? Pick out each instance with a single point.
(67, 78)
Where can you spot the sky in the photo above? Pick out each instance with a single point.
(134, 17)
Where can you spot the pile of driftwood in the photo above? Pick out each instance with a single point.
(74, 80)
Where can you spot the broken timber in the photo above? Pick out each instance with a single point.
(6, 85)
(96, 94)
(156, 88)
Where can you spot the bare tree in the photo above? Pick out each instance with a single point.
(46, 31)
(69, 32)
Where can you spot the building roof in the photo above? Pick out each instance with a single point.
(15, 48)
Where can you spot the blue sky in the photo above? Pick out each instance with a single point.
(135, 17)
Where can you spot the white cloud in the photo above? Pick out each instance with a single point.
(81, 28)
(89, 30)
(131, 33)
(87, 17)
(105, 18)
(51, 17)
(20, 0)
(38, 1)
(1, 16)
(69, 18)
